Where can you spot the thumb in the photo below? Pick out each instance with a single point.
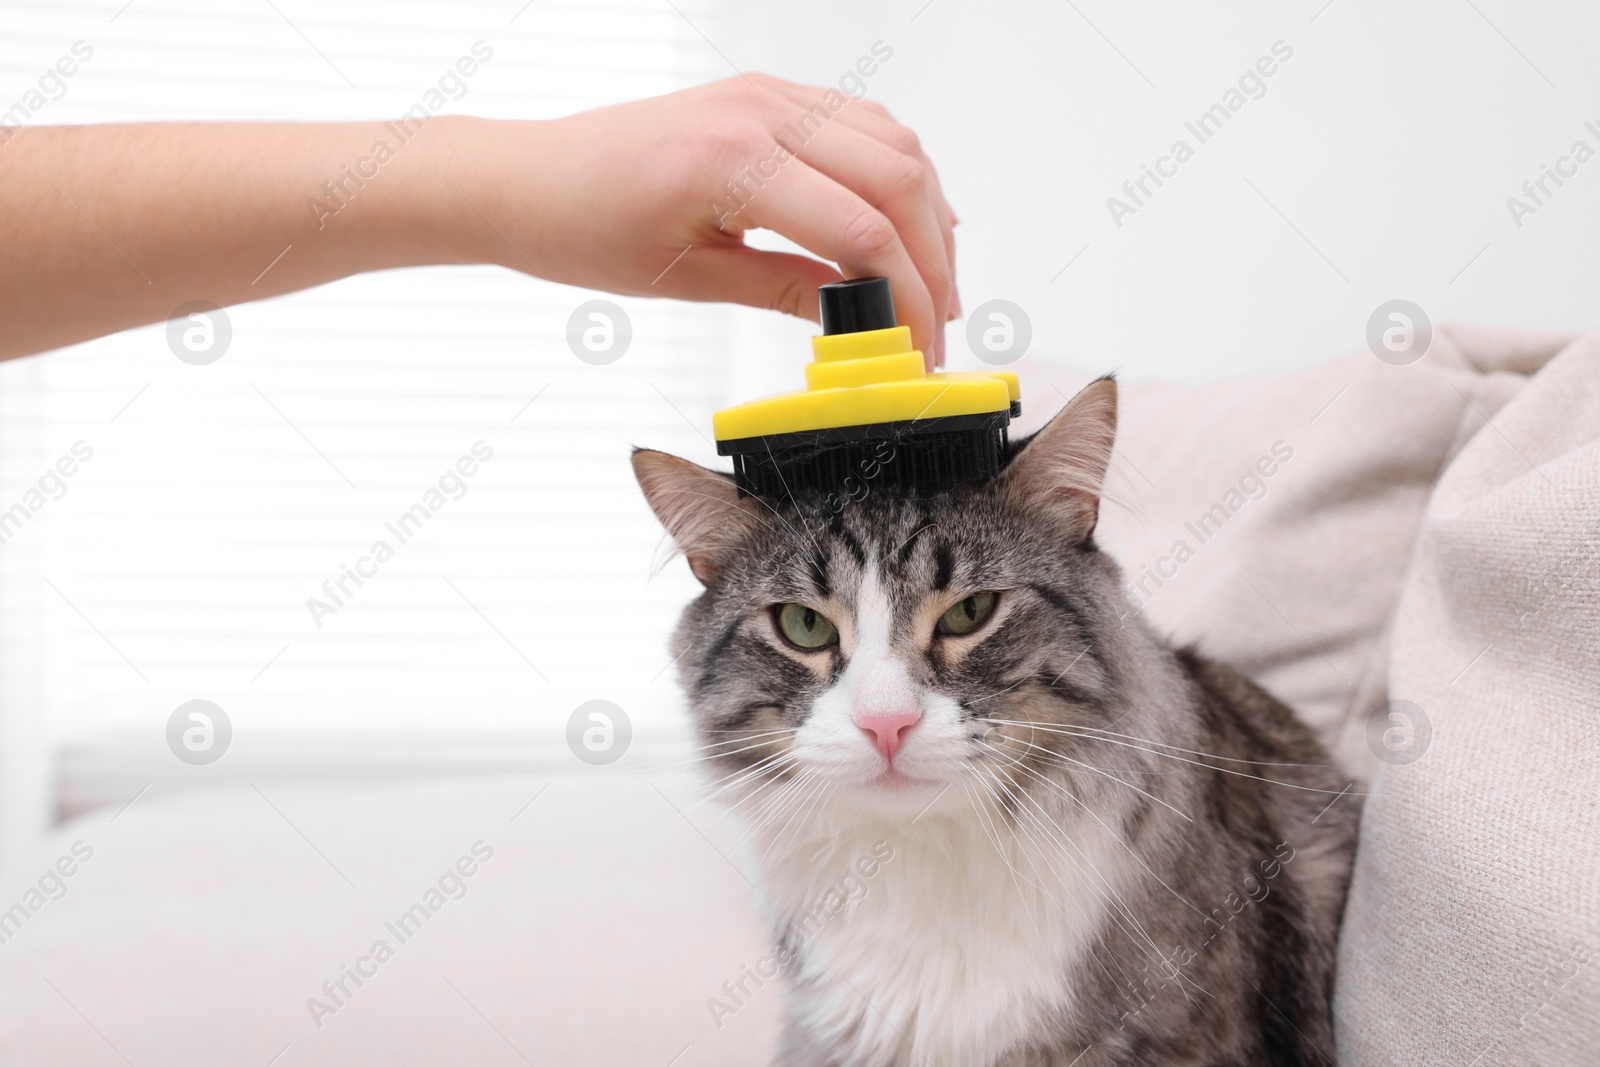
(738, 274)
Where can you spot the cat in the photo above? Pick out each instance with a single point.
(1075, 845)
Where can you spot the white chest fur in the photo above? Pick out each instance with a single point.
(946, 941)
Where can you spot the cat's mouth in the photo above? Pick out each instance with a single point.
(894, 780)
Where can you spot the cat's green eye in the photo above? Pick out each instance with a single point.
(967, 615)
(806, 628)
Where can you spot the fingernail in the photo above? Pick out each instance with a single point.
(955, 303)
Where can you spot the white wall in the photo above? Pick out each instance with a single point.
(1390, 141)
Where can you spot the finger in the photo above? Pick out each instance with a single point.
(738, 274)
(869, 118)
(896, 185)
(954, 311)
(875, 121)
(903, 140)
(829, 220)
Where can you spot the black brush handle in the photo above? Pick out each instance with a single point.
(856, 306)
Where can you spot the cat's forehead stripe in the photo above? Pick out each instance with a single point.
(908, 546)
(819, 571)
(856, 550)
(944, 563)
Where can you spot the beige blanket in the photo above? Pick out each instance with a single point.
(1410, 555)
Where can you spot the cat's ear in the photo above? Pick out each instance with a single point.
(700, 508)
(1062, 468)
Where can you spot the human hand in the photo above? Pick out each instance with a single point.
(653, 198)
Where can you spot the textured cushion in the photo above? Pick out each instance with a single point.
(1292, 576)
(1475, 913)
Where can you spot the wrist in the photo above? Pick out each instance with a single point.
(479, 190)
(420, 210)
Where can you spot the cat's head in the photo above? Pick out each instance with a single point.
(891, 646)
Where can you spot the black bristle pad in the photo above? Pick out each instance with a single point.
(921, 463)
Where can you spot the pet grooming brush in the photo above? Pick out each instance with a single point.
(869, 413)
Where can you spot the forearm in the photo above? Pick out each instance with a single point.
(109, 227)
(103, 228)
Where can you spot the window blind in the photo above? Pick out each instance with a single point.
(177, 560)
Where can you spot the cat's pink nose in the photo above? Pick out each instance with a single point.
(888, 732)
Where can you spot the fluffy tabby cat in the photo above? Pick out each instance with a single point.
(1104, 850)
